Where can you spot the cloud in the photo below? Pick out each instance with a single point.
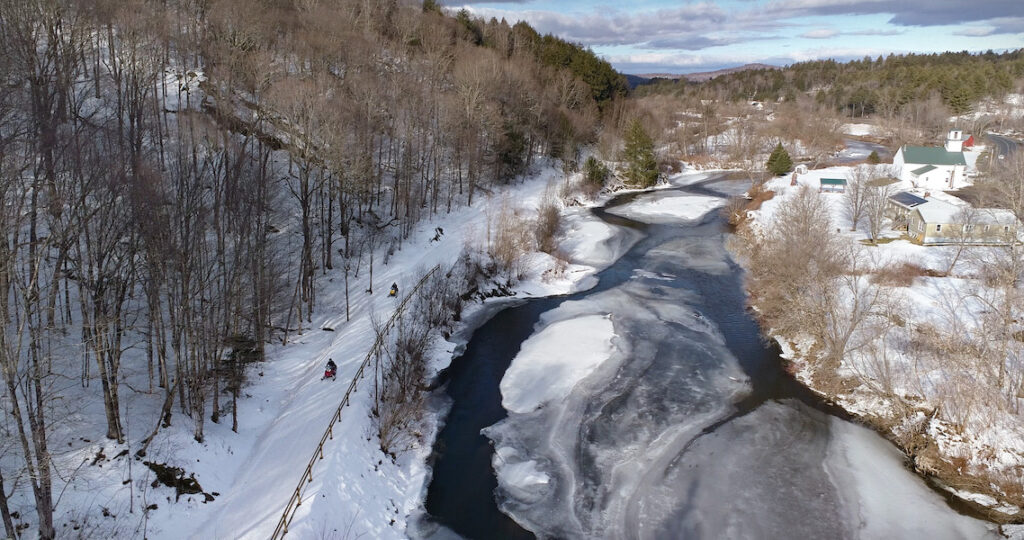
(667, 62)
(903, 12)
(821, 33)
(975, 31)
(696, 34)
(876, 32)
(690, 26)
(703, 25)
(1008, 25)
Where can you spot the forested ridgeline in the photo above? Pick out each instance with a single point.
(884, 85)
(176, 175)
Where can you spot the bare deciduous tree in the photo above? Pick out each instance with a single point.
(856, 194)
(876, 202)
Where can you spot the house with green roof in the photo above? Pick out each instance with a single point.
(938, 167)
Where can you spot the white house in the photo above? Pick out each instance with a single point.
(933, 167)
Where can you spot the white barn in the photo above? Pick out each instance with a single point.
(933, 167)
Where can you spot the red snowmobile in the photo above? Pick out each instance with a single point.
(331, 371)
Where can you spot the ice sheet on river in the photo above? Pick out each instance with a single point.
(660, 207)
(637, 408)
(763, 475)
(645, 445)
(554, 360)
(588, 241)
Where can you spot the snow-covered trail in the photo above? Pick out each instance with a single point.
(688, 427)
(356, 491)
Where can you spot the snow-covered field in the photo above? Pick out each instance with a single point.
(1009, 107)
(983, 434)
(861, 130)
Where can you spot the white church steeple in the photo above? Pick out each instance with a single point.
(955, 141)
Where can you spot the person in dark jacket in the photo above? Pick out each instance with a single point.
(331, 370)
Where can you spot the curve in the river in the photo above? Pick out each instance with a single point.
(693, 430)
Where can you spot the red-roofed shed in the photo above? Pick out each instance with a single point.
(969, 143)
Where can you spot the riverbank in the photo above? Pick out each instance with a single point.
(907, 372)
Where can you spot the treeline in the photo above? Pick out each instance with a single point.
(883, 85)
(175, 176)
(604, 82)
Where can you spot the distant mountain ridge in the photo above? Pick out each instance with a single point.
(708, 75)
(647, 78)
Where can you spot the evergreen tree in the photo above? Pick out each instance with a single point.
(779, 161)
(471, 26)
(511, 150)
(873, 158)
(641, 165)
(431, 6)
(594, 172)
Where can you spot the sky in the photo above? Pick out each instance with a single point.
(664, 36)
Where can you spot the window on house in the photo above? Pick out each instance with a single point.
(969, 227)
(1006, 228)
(938, 228)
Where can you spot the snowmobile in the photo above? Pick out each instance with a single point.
(331, 371)
(394, 290)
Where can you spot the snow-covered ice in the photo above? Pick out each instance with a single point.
(881, 498)
(668, 209)
(553, 360)
(521, 477)
(590, 241)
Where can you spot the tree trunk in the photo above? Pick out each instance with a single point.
(5, 511)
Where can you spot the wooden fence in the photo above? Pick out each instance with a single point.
(307, 476)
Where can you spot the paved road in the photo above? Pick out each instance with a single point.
(1004, 146)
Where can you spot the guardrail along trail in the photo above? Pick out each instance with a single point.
(307, 476)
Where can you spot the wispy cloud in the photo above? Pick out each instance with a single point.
(876, 32)
(689, 27)
(646, 62)
(821, 33)
(1008, 25)
(975, 31)
(903, 12)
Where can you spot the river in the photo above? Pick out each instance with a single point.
(856, 151)
(688, 427)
